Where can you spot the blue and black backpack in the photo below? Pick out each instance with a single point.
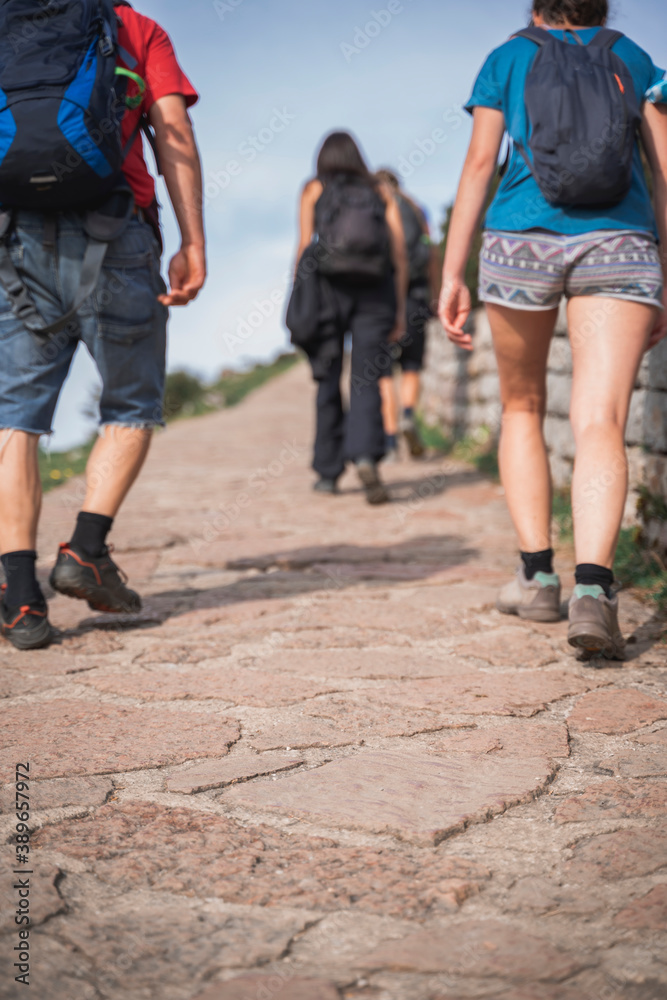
(62, 100)
(584, 119)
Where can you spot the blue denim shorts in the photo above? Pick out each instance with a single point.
(122, 324)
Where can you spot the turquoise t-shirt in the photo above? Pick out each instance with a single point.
(519, 204)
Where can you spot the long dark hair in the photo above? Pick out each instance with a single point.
(586, 13)
(340, 154)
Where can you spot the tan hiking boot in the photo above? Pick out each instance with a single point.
(536, 600)
(594, 628)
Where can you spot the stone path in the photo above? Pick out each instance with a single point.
(320, 765)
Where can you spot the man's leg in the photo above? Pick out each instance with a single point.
(412, 362)
(126, 336)
(410, 386)
(114, 464)
(389, 416)
(20, 491)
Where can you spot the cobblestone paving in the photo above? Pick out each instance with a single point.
(320, 765)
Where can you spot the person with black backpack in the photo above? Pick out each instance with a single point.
(423, 292)
(80, 262)
(351, 226)
(572, 217)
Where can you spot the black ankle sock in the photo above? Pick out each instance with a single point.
(538, 562)
(408, 412)
(22, 585)
(390, 442)
(91, 532)
(590, 575)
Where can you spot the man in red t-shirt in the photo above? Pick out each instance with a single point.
(123, 325)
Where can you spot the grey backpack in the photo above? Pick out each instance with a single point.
(584, 118)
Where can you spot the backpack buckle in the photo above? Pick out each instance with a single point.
(106, 41)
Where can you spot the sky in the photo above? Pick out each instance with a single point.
(274, 77)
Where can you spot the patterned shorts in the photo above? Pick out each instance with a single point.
(533, 270)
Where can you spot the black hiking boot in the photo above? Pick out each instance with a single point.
(96, 580)
(26, 627)
(376, 491)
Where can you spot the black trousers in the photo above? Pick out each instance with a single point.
(368, 312)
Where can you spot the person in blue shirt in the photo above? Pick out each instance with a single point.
(610, 264)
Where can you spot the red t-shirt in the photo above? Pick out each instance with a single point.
(151, 46)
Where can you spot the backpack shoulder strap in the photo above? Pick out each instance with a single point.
(533, 34)
(605, 38)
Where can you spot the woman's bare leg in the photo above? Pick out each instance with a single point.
(608, 337)
(521, 339)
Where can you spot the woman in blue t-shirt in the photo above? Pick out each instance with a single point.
(607, 262)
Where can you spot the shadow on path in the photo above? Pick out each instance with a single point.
(298, 572)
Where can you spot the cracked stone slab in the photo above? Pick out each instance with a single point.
(649, 912)
(143, 845)
(226, 681)
(624, 854)
(283, 984)
(340, 721)
(479, 949)
(14, 684)
(615, 712)
(476, 692)
(644, 763)
(45, 900)
(658, 738)
(510, 647)
(541, 896)
(370, 663)
(615, 800)
(67, 738)
(59, 793)
(418, 797)
(513, 739)
(125, 963)
(217, 773)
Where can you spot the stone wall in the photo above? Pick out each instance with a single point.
(461, 394)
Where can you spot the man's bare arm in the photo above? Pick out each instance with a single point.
(181, 166)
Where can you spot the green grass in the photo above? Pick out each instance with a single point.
(478, 449)
(185, 396)
(639, 567)
(57, 467)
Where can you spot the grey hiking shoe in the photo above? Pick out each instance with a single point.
(594, 628)
(411, 434)
(536, 600)
(329, 486)
(376, 491)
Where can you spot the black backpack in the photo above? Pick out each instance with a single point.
(351, 227)
(417, 243)
(584, 118)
